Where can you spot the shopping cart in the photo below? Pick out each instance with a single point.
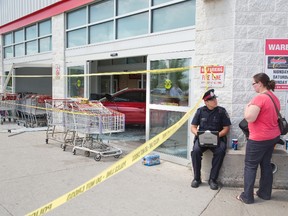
(8, 107)
(90, 121)
(30, 109)
(58, 118)
(23, 109)
(37, 114)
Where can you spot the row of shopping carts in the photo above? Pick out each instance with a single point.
(80, 123)
(24, 108)
(7, 107)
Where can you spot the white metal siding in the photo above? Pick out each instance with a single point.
(14, 9)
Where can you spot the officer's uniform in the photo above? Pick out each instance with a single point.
(213, 120)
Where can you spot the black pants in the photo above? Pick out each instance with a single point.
(217, 160)
(258, 153)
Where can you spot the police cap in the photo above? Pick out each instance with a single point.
(209, 95)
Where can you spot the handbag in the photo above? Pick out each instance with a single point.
(243, 125)
(283, 125)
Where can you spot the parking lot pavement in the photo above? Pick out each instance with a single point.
(34, 173)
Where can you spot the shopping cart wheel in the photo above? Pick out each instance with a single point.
(97, 157)
(46, 141)
(63, 146)
(74, 152)
(87, 153)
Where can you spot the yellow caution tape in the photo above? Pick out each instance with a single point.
(166, 70)
(120, 165)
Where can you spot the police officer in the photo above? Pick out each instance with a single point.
(214, 118)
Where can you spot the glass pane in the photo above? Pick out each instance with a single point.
(31, 47)
(8, 39)
(19, 49)
(177, 144)
(9, 84)
(45, 44)
(156, 2)
(76, 84)
(8, 52)
(45, 28)
(76, 18)
(105, 62)
(132, 26)
(31, 32)
(119, 61)
(19, 36)
(170, 88)
(76, 38)
(185, 13)
(101, 11)
(135, 60)
(101, 32)
(126, 6)
(105, 84)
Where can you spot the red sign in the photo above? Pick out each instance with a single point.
(276, 62)
(213, 69)
(277, 47)
(214, 76)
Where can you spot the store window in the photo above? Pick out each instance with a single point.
(45, 28)
(76, 38)
(126, 6)
(182, 11)
(31, 32)
(76, 18)
(29, 40)
(19, 36)
(8, 39)
(31, 47)
(8, 52)
(19, 50)
(117, 19)
(101, 32)
(129, 26)
(45, 44)
(170, 88)
(156, 2)
(75, 83)
(101, 11)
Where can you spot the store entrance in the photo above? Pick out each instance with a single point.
(110, 84)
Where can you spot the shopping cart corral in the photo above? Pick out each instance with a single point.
(86, 121)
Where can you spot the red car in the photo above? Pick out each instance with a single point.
(131, 102)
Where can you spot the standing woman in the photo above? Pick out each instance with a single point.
(264, 133)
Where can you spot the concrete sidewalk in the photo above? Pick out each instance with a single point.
(34, 173)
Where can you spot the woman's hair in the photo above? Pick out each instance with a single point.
(265, 80)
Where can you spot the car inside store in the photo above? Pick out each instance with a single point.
(149, 108)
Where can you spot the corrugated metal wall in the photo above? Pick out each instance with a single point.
(13, 9)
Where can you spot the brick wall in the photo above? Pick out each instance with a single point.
(232, 33)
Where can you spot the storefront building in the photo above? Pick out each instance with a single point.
(86, 38)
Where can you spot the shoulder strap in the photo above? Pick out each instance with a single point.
(274, 104)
